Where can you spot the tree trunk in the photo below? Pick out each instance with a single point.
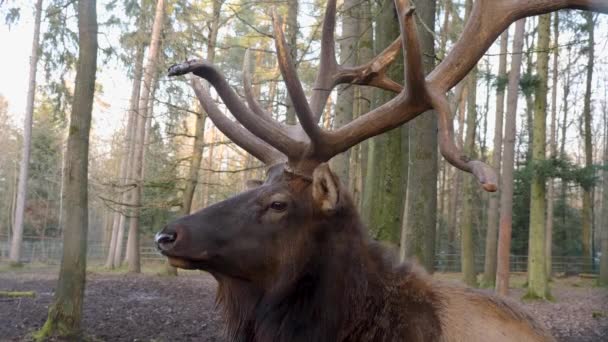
(65, 313)
(489, 275)
(137, 167)
(603, 276)
(365, 94)
(346, 93)
(113, 259)
(552, 147)
(15, 254)
(383, 195)
(508, 161)
(537, 274)
(420, 210)
(587, 215)
(467, 245)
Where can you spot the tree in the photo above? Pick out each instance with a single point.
(467, 246)
(15, 254)
(383, 193)
(552, 146)
(537, 274)
(114, 257)
(420, 209)
(603, 277)
(587, 189)
(65, 313)
(346, 94)
(508, 163)
(489, 274)
(137, 166)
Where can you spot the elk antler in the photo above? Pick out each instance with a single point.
(308, 145)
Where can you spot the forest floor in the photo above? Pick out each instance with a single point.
(152, 308)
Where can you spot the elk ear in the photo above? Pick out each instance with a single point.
(253, 183)
(325, 189)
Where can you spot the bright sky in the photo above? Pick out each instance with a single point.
(14, 66)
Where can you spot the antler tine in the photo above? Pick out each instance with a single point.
(328, 65)
(414, 71)
(373, 73)
(265, 128)
(293, 84)
(488, 19)
(254, 105)
(486, 176)
(239, 135)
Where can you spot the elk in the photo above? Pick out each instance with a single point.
(292, 259)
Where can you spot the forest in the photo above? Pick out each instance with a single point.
(101, 148)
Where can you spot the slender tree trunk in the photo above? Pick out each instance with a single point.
(346, 93)
(420, 209)
(587, 219)
(489, 275)
(537, 273)
(15, 254)
(508, 163)
(467, 245)
(65, 313)
(137, 167)
(603, 276)
(383, 197)
(552, 147)
(114, 257)
(365, 94)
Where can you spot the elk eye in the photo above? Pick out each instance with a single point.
(278, 206)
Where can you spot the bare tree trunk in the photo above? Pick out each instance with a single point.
(537, 276)
(420, 209)
(346, 93)
(603, 276)
(489, 275)
(137, 167)
(15, 254)
(552, 147)
(508, 163)
(587, 219)
(65, 313)
(114, 257)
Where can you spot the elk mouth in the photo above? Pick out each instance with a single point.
(200, 262)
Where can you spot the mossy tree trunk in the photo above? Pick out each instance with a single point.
(65, 313)
(345, 104)
(420, 210)
(383, 194)
(537, 275)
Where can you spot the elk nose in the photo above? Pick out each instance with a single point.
(165, 239)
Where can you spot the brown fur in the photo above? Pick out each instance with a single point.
(316, 276)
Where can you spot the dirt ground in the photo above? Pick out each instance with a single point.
(121, 307)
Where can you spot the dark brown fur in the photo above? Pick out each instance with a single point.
(316, 276)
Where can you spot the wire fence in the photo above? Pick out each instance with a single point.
(49, 251)
(569, 265)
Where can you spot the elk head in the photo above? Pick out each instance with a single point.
(238, 237)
